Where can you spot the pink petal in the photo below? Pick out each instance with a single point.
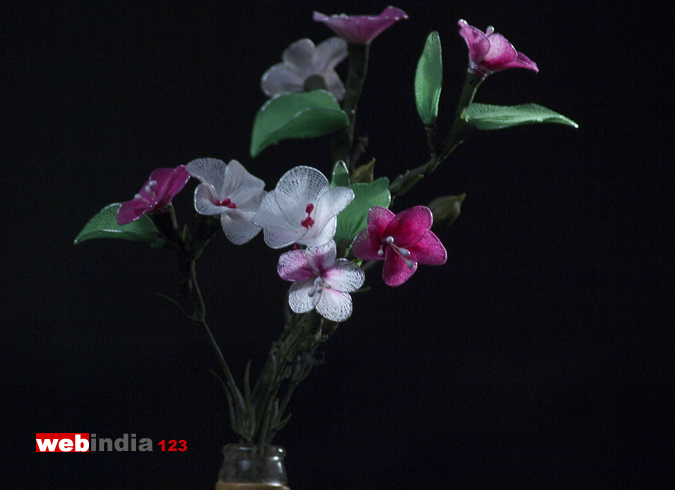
(132, 210)
(361, 29)
(429, 250)
(476, 41)
(410, 226)
(363, 247)
(322, 257)
(378, 220)
(522, 61)
(169, 182)
(501, 52)
(334, 305)
(396, 271)
(293, 266)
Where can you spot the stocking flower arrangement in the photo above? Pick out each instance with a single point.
(337, 220)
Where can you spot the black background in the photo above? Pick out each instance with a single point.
(539, 356)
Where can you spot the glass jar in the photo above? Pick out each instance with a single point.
(251, 467)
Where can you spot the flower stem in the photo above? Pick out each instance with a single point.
(342, 141)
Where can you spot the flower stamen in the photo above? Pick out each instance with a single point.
(402, 252)
(225, 202)
(308, 222)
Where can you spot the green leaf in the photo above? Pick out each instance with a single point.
(296, 115)
(104, 225)
(340, 175)
(488, 117)
(354, 218)
(428, 79)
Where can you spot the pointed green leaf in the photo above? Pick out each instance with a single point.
(296, 115)
(354, 218)
(340, 175)
(104, 225)
(488, 117)
(428, 79)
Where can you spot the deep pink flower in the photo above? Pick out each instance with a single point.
(156, 194)
(402, 241)
(361, 29)
(490, 52)
(320, 281)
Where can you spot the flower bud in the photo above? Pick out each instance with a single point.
(363, 173)
(445, 210)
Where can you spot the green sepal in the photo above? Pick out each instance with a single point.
(488, 117)
(354, 218)
(296, 115)
(104, 225)
(428, 79)
(340, 176)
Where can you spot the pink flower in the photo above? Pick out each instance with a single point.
(156, 194)
(228, 191)
(401, 240)
(361, 29)
(302, 60)
(321, 282)
(490, 52)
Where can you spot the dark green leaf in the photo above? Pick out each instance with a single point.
(296, 115)
(428, 79)
(488, 117)
(104, 225)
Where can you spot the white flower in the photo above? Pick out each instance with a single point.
(230, 191)
(321, 282)
(302, 209)
(301, 60)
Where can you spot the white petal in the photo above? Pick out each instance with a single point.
(238, 227)
(298, 296)
(281, 78)
(204, 199)
(299, 56)
(319, 234)
(334, 84)
(209, 170)
(240, 186)
(299, 187)
(344, 276)
(333, 202)
(329, 53)
(334, 305)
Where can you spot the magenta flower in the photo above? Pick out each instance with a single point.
(228, 191)
(155, 196)
(320, 281)
(490, 52)
(401, 240)
(302, 60)
(361, 29)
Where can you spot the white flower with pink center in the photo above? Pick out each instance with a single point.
(320, 281)
(302, 209)
(230, 191)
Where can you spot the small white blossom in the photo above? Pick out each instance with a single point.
(302, 209)
(301, 60)
(230, 191)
